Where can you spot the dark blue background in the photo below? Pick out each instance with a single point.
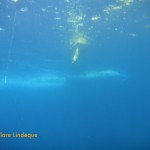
(104, 114)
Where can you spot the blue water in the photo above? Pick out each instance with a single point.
(99, 102)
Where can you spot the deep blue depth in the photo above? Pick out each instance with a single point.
(107, 112)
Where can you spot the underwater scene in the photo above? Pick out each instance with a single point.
(74, 74)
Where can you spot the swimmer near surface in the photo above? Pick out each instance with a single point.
(77, 41)
(78, 24)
